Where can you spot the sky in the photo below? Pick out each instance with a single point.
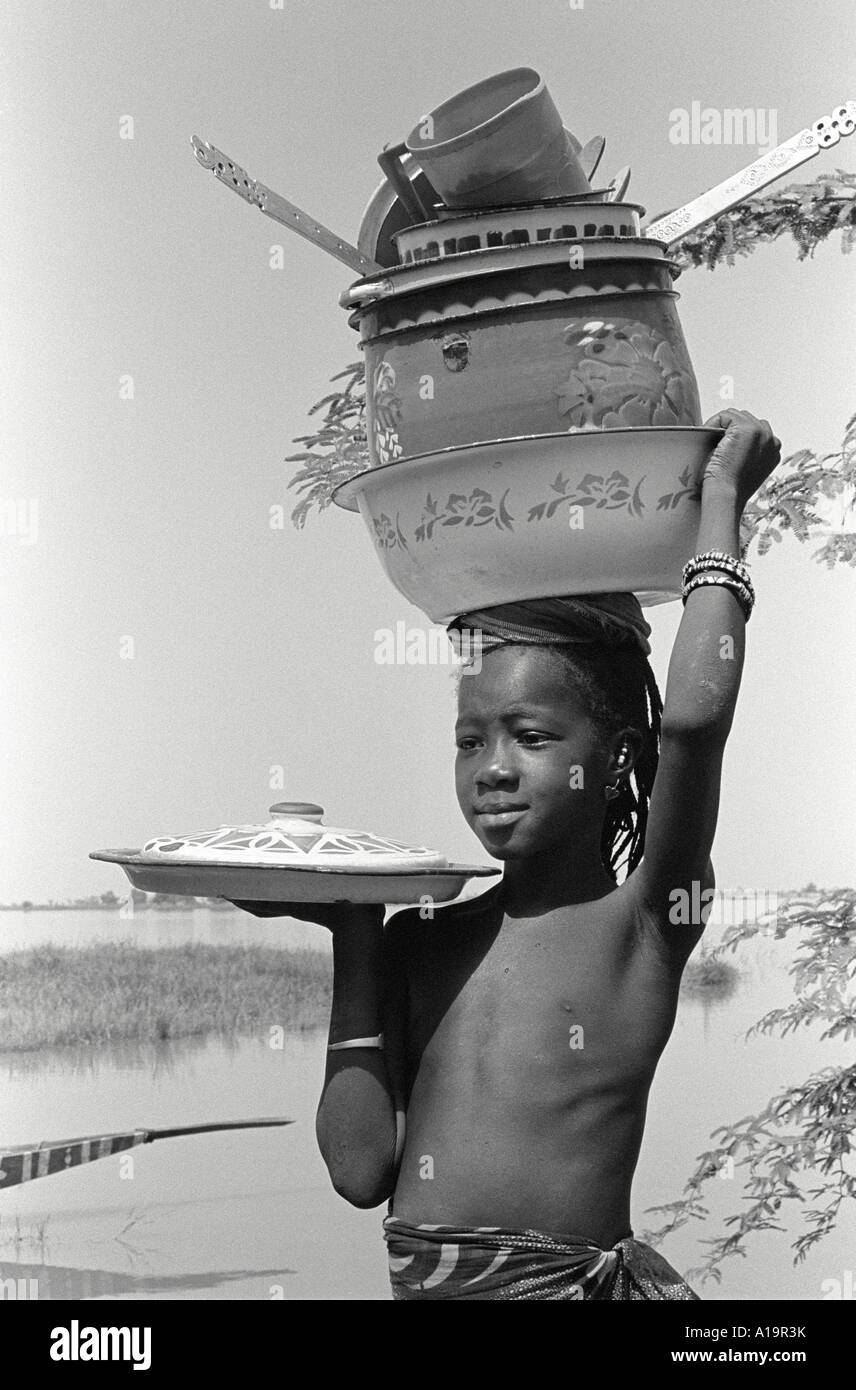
(251, 649)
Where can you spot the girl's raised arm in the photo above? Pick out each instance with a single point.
(701, 690)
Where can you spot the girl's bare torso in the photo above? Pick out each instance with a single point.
(531, 1045)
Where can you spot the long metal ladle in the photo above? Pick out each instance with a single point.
(280, 209)
(821, 135)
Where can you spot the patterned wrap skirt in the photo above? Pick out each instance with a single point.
(487, 1262)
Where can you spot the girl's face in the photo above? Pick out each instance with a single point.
(531, 766)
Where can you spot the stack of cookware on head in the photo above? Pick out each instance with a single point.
(533, 417)
(532, 412)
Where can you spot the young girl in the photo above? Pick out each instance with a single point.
(490, 1061)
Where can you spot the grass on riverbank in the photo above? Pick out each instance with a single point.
(55, 995)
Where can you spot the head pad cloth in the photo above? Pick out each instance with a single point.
(611, 619)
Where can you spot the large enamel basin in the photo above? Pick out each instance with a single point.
(529, 517)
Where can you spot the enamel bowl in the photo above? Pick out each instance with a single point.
(593, 511)
(559, 220)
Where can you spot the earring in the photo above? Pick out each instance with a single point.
(613, 789)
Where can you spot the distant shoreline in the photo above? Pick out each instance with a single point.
(158, 902)
(65, 907)
(110, 902)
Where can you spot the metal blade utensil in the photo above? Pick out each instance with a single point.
(821, 135)
(280, 209)
(590, 155)
(618, 186)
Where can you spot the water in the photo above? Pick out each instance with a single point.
(85, 927)
(251, 1215)
(242, 1215)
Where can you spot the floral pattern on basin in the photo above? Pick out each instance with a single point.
(612, 492)
(669, 500)
(478, 509)
(594, 490)
(625, 374)
(388, 533)
(386, 414)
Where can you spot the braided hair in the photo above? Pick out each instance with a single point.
(617, 686)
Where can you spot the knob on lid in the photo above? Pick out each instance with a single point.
(306, 809)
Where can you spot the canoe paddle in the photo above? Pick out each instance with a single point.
(24, 1162)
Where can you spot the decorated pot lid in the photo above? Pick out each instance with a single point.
(294, 838)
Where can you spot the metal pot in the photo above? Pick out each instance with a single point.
(492, 344)
(499, 141)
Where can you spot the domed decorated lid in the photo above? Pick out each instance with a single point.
(294, 838)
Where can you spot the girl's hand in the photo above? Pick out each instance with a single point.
(744, 458)
(329, 915)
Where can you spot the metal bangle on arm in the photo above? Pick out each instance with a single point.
(357, 1042)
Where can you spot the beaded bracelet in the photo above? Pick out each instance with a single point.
(740, 591)
(717, 559)
(720, 567)
(716, 562)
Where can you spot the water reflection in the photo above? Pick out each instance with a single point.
(714, 1006)
(155, 1058)
(32, 1282)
